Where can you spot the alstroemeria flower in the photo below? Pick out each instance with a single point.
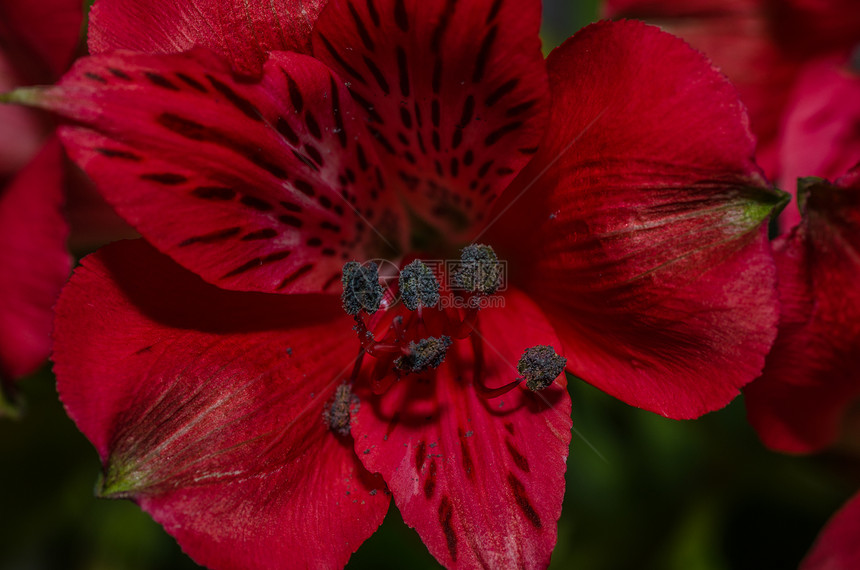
(37, 42)
(811, 377)
(837, 547)
(226, 390)
(792, 63)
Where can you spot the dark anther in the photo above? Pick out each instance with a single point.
(540, 365)
(361, 288)
(425, 354)
(479, 270)
(418, 286)
(339, 410)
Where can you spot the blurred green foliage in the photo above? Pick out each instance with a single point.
(642, 491)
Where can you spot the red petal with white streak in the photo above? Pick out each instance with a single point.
(480, 480)
(242, 31)
(455, 94)
(640, 225)
(206, 405)
(254, 186)
(34, 260)
(811, 375)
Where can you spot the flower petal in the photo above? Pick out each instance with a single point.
(254, 186)
(480, 480)
(455, 94)
(810, 377)
(242, 31)
(836, 547)
(206, 409)
(40, 37)
(821, 133)
(34, 261)
(640, 225)
(739, 36)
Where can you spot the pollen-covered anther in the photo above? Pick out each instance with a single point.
(418, 286)
(479, 270)
(424, 354)
(361, 288)
(338, 412)
(540, 366)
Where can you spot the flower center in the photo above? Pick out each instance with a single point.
(411, 329)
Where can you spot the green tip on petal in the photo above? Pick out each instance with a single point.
(121, 481)
(804, 187)
(764, 204)
(27, 96)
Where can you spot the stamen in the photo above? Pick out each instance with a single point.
(338, 412)
(418, 286)
(540, 365)
(361, 288)
(423, 355)
(479, 270)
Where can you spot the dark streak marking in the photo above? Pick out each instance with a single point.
(246, 107)
(411, 182)
(284, 128)
(504, 171)
(95, 77)
(325, 202)
(437, 76)
(295, 275)
(290, 221)
(267, 233)
(295, 93)
(256, 203)
(494, 11)
(314, 153)
(400, 16)
(468, 158)
(367, 105)
(455, 167)
(444, 20)
(503, 90)
(330, 227)
(418, 115)
(510, 427)
(496, 135)
(362, 158)
(437, 143)
(377, 74)
(290, 207)
(485, 168)
(304, 187)
(468, 464)
(484, 54)
(160, 81)
(436, 112)
(313, 126)
(335, 278)
(521, 108)
(522, 498)
(214, 193)
(519, 459)
(119, 74)
(362, 31)
(213, 237)
(115, 153)
(336, 112)
(314, 242)
(406, 118)
(382, 140)
(528, 150)
(468, 112)
(403, 71)
(430, 481)
(446, 515)
(457, 138)
(420, 455)
(191, 82)
(166, 178)
(374, 15)
(328, 252)
(342, 62)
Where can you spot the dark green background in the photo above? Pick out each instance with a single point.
(698, 495)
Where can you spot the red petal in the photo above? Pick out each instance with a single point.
(837, 547)
(254, 186)
(243, 31)
(811, 374)
(455, 94)
(34, 261)
(738, 35)
(641, 223)
(480, 480)
(820, 134)
(40, 37)
(206, 408)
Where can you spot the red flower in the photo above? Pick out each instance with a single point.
(837, 547)
(38, 41)
(811, 376)
(633, 228)
(791, 63)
